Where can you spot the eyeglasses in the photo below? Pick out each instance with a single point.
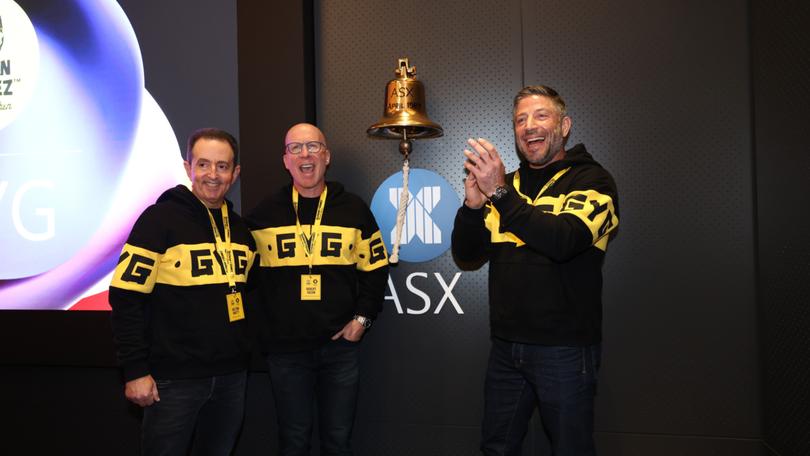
(313, 147)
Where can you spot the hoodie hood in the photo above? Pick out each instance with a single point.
(578, 155)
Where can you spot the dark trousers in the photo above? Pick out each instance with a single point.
(328, 375)
(207, 410)
(559, 381)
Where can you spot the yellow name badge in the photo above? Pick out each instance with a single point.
(311, 287)
(235, 309)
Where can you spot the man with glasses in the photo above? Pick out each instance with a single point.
(322, 279)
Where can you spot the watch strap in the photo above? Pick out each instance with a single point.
(365, 321)
(500, 192)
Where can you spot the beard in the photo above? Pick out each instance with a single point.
(554, 145)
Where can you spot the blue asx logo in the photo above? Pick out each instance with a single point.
(432, 206)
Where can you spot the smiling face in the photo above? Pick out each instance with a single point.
(308, 170)
(540, 130)
(212, 171)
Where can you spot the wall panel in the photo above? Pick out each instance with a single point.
(660, 94)
(782, 100)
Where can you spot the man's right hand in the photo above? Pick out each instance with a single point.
(473, 198)
(142, 391)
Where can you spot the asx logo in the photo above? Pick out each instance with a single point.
(432, 206)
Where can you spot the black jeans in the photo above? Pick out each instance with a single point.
(208, 409)
(328, 375)
(559, 381)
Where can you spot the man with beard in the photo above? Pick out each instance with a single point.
(544, 229)
(177, 310)
(322, 277)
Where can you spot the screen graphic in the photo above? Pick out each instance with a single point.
(84, 148)
(432, 206)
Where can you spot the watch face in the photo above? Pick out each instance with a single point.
(366, 322)
(499, 193)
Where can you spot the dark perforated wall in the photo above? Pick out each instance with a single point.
(660, 94)
(781, 66)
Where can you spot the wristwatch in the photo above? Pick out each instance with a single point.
(500, 192)
(366, 322)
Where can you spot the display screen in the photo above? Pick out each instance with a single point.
(84, 148)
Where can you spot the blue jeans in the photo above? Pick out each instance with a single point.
(559, 381)
(328, 375)
(209, 410)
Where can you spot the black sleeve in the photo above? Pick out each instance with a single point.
(128, 319)
(372, 291)
(470, 239)
(130, 292)
(372, 267)
(587, 215)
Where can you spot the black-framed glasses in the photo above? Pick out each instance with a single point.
(313, 147)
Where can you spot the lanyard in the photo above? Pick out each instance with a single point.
(223, 247)
(516, 184)
(309, 244)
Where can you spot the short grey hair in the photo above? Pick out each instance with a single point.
(541, 90)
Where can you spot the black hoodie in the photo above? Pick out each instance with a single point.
(545, 255)
(349, 256)
(169, 311)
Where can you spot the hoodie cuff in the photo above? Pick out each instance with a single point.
(135, 370)
(508, 202)
(472, 215)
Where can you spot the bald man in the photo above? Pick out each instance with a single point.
(322, 282)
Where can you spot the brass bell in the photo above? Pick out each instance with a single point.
(404, 118)
(405, 115)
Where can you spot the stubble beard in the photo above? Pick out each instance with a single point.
(555, 147)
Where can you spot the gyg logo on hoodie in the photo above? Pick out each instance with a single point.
(19, 61)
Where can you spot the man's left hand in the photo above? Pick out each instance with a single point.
(353, 331)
